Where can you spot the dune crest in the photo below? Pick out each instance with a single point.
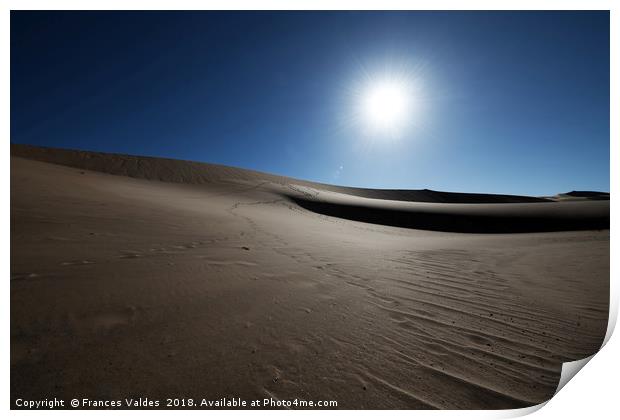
(477, 213)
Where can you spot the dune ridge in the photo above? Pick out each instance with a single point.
(190, 172)
(478, 213)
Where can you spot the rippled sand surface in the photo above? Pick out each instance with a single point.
(155, 278)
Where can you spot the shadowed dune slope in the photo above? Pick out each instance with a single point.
(469, 218)
(417, 209)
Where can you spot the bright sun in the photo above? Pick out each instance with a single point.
(386, 105)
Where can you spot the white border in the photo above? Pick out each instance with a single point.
(592, 394)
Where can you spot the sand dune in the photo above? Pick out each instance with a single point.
(471, 218)
(478, 213)
(146, 277)
(186, 172)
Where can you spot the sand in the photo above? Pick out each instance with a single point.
(154, 278)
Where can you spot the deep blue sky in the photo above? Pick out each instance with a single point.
(513, 102)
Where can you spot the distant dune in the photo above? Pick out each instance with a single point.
(160, 278)
(478, 213)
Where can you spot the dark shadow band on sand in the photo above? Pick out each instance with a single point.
(508, 218)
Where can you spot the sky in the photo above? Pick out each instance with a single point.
(497, 102)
